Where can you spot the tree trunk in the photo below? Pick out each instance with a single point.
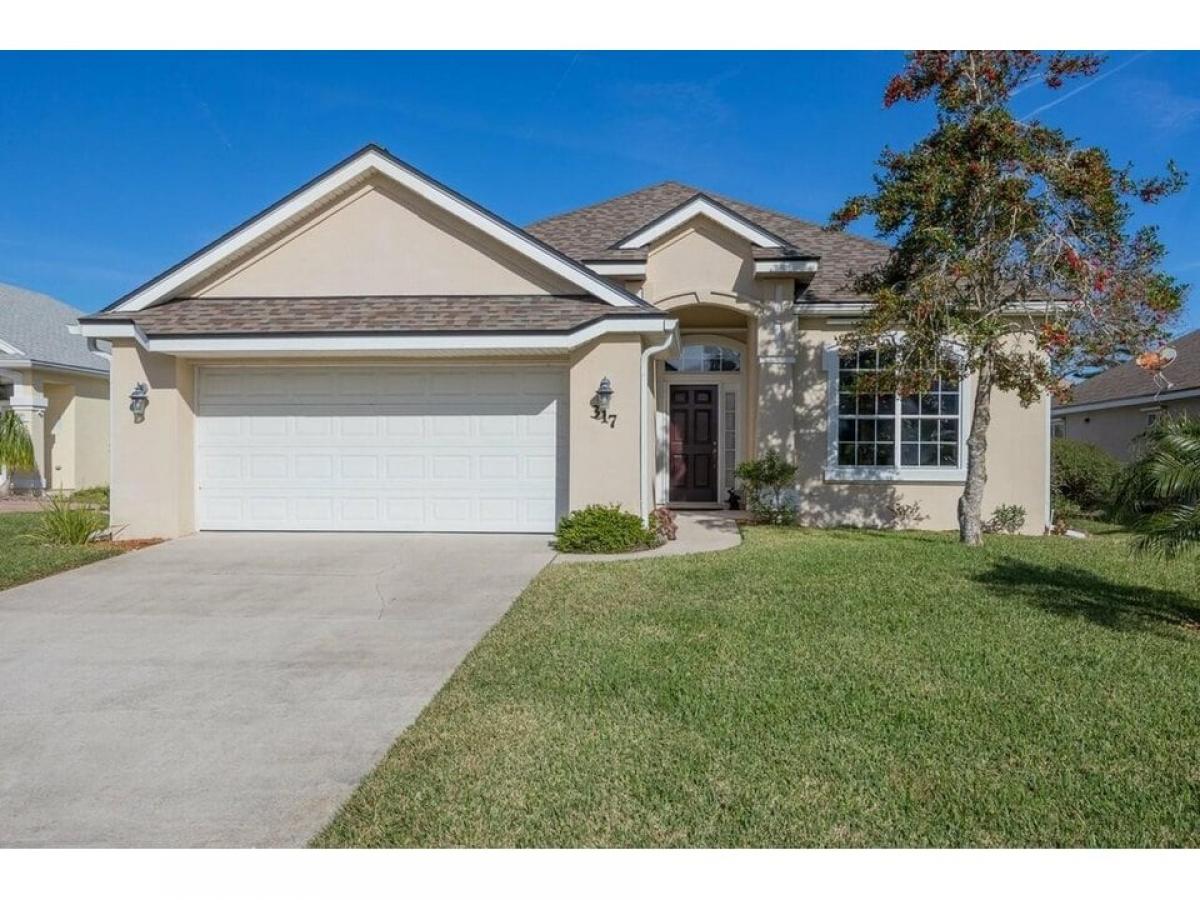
(970, 504)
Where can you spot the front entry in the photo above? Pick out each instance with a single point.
(693, 443)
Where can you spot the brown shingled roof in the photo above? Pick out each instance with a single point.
(1130, 380)
(348, 315)
(590, 233)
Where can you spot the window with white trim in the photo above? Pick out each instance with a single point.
(729, 411)
(706, 358)
(888, 430)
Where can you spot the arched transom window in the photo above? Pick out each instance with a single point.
(706, 358)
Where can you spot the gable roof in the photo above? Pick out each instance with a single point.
(594, 234)
(368, 161)
(700, 205)
(33, 328)
(1130, 381)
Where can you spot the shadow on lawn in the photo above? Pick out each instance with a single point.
(1077, 593)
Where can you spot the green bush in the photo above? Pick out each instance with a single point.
(766, 480)
(1081, 473)
(92, 496)
(65, 522)
(1008, 518)
(603, 529)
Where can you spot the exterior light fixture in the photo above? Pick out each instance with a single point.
(601, 401)
(139, 399)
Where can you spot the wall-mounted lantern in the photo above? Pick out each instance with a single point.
(601, 401)
(139, 399)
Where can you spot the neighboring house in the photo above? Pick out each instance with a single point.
(378, 352)
(59, 387)
(1112, 409)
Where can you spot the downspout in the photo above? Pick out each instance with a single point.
(647, 488)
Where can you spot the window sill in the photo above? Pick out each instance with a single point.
(859, 475)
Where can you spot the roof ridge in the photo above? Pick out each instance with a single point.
(874, 242)
(608, 200)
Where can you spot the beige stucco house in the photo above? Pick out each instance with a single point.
(1114, 408)
(57, 382)
(378, 352)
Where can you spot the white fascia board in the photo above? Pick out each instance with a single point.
(860, 307)
(700, 206)
(362, 165)
(1143, 400)
(618, 268)
(785, 266)
(113, 330)
(6, 347)
(778, 267)
(393, 343)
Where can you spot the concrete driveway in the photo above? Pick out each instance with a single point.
(231, 689)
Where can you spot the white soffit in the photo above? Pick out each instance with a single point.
(362, 164)
(700, 206)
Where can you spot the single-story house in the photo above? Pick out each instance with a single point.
(56, 380)
(378, 352)
(1114, 408)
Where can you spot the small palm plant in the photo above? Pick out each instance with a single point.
(1158, 494)
(63, 521)
(16, 446)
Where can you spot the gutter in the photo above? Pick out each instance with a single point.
(671, 327)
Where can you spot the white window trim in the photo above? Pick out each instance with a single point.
(835, 473)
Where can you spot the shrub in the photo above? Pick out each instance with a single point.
(1065, 509)
(64, 522)
(1008, 518)
(904, 515)
(766, 480)
(1081, 473)
(603, 529)
(92, 496)
(1158, 494)
(662, 520)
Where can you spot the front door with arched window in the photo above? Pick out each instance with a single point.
(702, 388)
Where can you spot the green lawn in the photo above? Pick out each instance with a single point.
(22, 560)
(810, 688)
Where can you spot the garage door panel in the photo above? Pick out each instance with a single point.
(436, 450)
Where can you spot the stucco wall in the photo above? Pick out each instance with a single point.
(1116, 430)
(382, 240)
(604, 456)
(152, 486)
(699, 257)
(153, 478)
(1016, 460)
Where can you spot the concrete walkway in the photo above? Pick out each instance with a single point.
(700, 531)
(231, 689)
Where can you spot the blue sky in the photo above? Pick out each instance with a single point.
(114, 166)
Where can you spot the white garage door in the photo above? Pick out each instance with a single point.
(352, 448)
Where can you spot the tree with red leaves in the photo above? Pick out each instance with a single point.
(1013, 259)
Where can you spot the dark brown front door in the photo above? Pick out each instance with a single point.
(694, 443)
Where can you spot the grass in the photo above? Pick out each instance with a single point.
(832, 688)
(22, 560)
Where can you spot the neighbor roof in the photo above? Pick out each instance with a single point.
(1130, 380)
(214, 316)
(35, 326)
(593, 233)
